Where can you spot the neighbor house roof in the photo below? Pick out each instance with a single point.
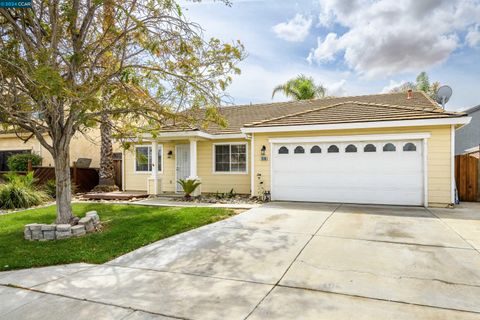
(472, 109)
(377, 107)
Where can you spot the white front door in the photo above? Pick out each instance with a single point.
(377, 172)
(182, 163)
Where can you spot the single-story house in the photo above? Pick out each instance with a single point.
(395, 148)
(467, 138)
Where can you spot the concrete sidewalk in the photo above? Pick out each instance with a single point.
(278, 261)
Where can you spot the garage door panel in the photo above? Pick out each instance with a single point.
(362, 195)
(293, 180)
(359, 177)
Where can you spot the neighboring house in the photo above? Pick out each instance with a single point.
(80, 147)
(379, 149)
(467, 138)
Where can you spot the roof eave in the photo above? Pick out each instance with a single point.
(463, 120)
(194, 134)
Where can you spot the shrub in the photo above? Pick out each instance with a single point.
(50, 188)
(20, 192)
(189, 186)
(226, 195)
(19, 162)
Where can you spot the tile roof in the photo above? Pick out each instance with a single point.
(355, 111)
(388, 106)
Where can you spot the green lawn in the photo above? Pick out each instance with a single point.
(127, 227)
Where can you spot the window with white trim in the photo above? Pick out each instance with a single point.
(230, 157)
(144, 160)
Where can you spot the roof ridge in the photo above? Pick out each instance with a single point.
(296, 113)
(430, 99)
(432, 110)
(323, 99)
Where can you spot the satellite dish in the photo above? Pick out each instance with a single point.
(443, 95)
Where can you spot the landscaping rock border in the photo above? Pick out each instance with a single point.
(47, 232)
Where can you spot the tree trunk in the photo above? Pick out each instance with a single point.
(64, 186)
(106, 173)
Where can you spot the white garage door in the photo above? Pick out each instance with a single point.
(380, 172)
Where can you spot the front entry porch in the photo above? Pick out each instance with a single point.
(184, 153)
(155, 164)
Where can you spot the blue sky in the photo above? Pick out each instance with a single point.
(350, 46)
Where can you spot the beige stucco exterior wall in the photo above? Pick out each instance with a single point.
(81, 146)
(438, 160)
(211, 181)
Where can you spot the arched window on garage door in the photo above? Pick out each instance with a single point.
(333, 149)
(370, 148)
(351, 148)
(389, 147)
(283, 150)
(409, 147)
(299, 149)
(315, 149)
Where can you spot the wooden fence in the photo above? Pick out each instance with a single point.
(466, 177)
(84, 179)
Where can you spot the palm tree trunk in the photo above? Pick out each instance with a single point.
(106, 173)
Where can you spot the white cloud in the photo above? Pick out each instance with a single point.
(392, 84)
(473, 36)
(337, 89)
(385, 37)
(294, 30)
(326, 49)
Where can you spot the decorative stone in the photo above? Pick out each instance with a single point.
(94, 215)
(37, 234)
(63, 234)
(74, 221)
(48, 232)
(88, 223)
(49, 235)
(64, 227)
(35, 227)
(27, 234)
(78, 230)
(48, 227)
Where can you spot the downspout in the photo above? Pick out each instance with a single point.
(124, 187)
(452, 164)
(252, 163)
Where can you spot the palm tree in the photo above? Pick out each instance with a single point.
(106, 174)
(301, 88)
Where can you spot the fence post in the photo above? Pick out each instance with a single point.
(75, 172)
(29, 166)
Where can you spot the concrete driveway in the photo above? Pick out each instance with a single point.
(279, 261)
